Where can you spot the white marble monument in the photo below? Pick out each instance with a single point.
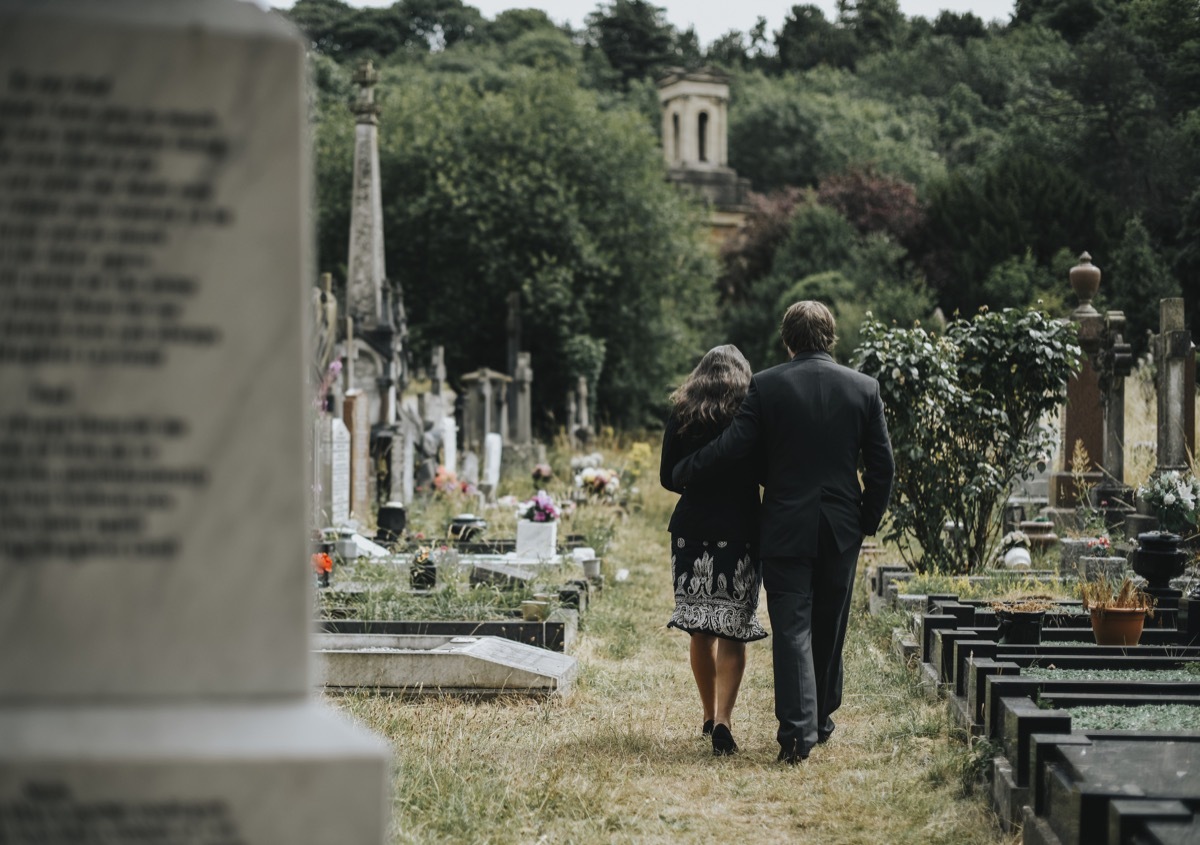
(154, 266)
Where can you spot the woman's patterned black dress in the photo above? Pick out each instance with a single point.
(715, 567)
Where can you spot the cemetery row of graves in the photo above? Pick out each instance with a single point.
(477, 596)
(1094, 734)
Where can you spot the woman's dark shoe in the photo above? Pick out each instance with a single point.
(708, 727)
(722, 741)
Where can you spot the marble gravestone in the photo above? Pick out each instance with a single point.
(154, 256)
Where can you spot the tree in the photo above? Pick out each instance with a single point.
(807, 39)
(633, 36)
(877, 25)
(799, 128)
(959, 27)
(873, 202)
(1138, 277)
(1018, 204)
(527, 185)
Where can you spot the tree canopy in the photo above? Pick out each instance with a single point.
(900, 165)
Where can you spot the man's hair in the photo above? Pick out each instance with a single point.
(808, 326)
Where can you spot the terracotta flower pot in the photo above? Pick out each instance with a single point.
(1117, 625)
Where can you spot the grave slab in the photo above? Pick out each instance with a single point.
(1078, 780)
(429, 664)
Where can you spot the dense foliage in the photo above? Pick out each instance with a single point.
(964, 410)
(901, 164)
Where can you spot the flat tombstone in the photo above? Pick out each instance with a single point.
(154, 181)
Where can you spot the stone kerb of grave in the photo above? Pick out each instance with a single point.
(418, 664)
(154, 248)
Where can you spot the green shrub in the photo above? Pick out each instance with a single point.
(964, 410)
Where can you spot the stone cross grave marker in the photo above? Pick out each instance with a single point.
(154, 249)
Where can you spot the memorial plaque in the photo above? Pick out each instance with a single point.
(151, 352)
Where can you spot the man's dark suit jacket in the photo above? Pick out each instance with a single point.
(813, 419)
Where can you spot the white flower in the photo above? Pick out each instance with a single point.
(1169, 499)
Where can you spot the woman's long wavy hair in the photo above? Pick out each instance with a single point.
(714, 390)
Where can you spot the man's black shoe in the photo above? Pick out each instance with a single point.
(792, 755)
(823, 736)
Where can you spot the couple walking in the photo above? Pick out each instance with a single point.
(800, 430)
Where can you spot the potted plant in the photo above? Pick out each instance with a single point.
(1117, 612)
(1021, 619)
(537, 527)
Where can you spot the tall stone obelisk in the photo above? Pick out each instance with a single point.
(366, 271)
(375, 352)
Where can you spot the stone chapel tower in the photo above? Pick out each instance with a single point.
(695, 133)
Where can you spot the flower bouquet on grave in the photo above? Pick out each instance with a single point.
(447, 483)
(597, 483)
(1173, 497)
(322, 565)
(537, 527)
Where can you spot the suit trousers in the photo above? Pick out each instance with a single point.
(808, 601)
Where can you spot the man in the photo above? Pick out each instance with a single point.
(813, 420)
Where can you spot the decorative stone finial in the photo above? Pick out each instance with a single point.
(365, 107)
(1085, 281)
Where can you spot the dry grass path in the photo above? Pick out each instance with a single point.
(621, 758)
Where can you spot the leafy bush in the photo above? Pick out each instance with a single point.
(964, 411)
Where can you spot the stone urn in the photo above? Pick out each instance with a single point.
(465, 526)
(1160, 556)
(1085, 280)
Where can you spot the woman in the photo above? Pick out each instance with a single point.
(714, 540)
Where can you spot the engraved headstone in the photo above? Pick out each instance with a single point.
(334, 474)
(153, 551)
(494, 449)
